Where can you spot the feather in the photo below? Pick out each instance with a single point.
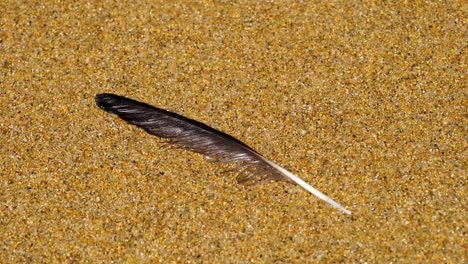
(194, 136)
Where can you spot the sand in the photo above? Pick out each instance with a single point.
(366, 102)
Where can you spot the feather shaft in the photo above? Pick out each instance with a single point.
(308, 187)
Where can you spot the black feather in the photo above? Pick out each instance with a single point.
(192, 135)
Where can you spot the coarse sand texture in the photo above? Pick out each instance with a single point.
(365, 101)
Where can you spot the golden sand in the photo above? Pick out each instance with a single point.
(367, 102)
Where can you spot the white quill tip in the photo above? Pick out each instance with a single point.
(308, 187)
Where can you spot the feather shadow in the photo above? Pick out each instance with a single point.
(194, 136)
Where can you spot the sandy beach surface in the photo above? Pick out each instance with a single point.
(365, 101)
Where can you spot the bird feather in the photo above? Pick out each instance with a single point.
(195, 136)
